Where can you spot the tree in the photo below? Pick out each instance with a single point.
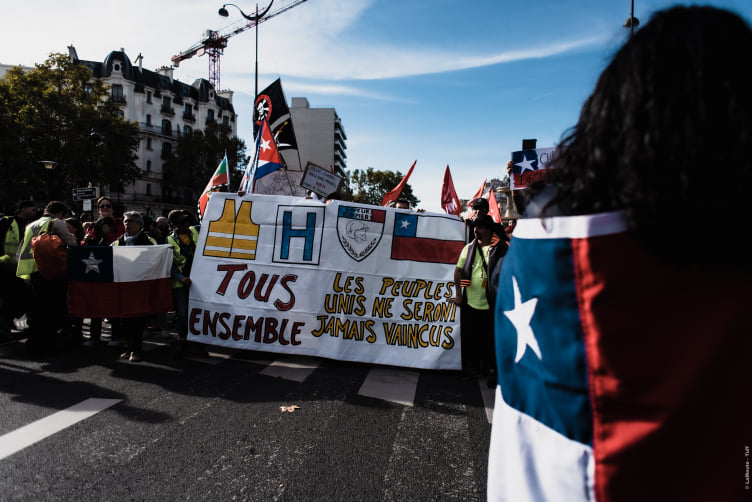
(370, 186)
(195, 159)
(58, 112)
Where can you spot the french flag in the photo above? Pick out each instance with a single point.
(119, 281)
(432, 239)
(621, 378)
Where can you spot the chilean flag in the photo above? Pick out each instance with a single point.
(620, 377)
(265, 160)
(119, 281)
(433, 239)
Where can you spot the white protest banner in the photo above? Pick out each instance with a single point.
(343, 281)
(529, 166)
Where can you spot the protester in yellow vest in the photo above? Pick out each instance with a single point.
(48, 308)
(14, 293)
(183, 240)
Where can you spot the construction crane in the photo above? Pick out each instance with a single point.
(214, 42)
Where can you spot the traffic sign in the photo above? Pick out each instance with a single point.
(85, 193)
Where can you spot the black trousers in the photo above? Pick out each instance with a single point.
(48, 311)
(477, 335)
(130, 329)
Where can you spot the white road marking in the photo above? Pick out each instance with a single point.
(293, 369)
(391, 384)
(27, 435)
(488, 395)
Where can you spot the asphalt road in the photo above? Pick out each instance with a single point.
(85, 425)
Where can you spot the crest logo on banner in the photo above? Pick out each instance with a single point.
(233, 236)
(298, 234)
(359, 230)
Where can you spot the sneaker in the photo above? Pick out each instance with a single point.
(125, 355)
(134, 357)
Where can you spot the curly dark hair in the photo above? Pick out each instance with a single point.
(666, 136)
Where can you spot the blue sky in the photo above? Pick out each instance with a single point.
(441, 82)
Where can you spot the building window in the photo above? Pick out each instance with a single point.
(148, 166)
(226, 121)
(117, 93)
(209, 116)
(148, 189)
(166, 150)
(148, 143)
(120, 114)
(148, 119)
(166, 127)
(167, 106)
(148, 96)
(187, 130)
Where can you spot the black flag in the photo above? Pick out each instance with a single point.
(271, 104)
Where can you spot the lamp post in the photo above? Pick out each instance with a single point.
(631, 22)
(255, 19)
(49, 166)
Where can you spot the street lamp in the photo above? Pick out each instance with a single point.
(255, 19)
(631, 22)
(49, 166)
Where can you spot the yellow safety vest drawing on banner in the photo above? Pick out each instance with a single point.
(233, 236)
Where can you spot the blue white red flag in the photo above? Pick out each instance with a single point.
(529, 166)
(616, 371)
(433, 239)
(119, 281)
(266, 159)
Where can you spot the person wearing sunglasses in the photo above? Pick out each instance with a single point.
(107, 210)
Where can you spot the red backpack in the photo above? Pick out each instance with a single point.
(50, 256)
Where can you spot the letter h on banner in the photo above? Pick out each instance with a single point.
(298, 235)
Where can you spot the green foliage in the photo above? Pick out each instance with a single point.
(195, 159)
(50, 113)
(369, 186)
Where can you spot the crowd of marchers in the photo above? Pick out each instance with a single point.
(33, 284)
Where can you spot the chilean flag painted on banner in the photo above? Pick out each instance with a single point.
(119, 281)
(620, 377)
(433, 239)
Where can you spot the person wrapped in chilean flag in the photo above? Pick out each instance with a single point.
(622, 323)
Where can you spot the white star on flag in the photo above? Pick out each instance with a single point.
(520, 317)
(404, 223)
(526, 164)
(91, 263)
(265, 145)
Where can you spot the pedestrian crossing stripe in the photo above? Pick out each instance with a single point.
(233, 235)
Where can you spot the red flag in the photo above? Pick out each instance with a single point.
(395, 192)
(449, 200)
(493, 206)
(218, 180)
(479, 193)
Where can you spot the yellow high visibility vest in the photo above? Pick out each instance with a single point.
(26, 263)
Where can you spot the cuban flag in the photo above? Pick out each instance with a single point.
(433, 239)
(620, 377)
(119, 281)
(266, 159)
